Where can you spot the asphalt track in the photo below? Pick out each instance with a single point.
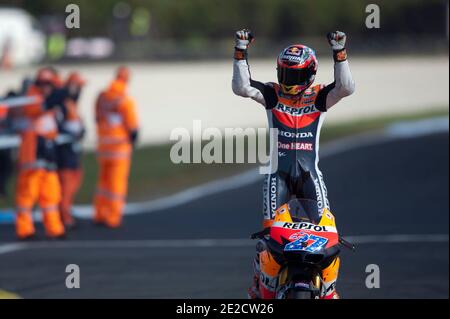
(389, 189)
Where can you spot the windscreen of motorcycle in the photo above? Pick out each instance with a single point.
(302, 209)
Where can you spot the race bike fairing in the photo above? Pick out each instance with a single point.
(299, 227)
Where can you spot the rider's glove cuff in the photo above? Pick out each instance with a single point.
(240, 54)
(340, 55)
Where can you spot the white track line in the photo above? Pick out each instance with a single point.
(421, 127)
(393, 132)
(412, 238)
(11, 247)
(208, 242)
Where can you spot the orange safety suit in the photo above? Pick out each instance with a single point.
(116, 125)
(37, 179)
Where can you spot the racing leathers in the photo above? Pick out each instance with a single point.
(298, 119)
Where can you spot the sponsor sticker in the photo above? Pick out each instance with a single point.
(294, 51)
(307, 242)
(297, 135)
(305, 226)
(295, 146)
(296, 111)
(273, 195)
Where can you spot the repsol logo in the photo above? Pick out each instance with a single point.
(295, 135)
(304, 226)
(296, 111)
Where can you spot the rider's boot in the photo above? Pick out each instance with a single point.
(253, 290)
(268, 275)
(329, 276)
(332, 295)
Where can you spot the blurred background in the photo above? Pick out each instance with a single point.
(180, 55)
(156, 30)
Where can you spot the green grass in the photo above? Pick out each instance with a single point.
(153, 174)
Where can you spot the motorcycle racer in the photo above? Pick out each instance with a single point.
(297, 108)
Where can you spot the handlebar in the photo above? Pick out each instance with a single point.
(260, 234)
(347, 244)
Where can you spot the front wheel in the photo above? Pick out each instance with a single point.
(300, 294)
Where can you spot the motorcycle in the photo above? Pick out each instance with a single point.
(302, 243)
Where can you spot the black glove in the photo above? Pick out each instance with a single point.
(133, 137)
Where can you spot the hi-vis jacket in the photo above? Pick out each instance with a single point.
(37, 148)
(116, 122)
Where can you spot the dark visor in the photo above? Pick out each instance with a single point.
(289, 77)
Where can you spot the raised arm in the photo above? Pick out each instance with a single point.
(242, 84)
(343, 84)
